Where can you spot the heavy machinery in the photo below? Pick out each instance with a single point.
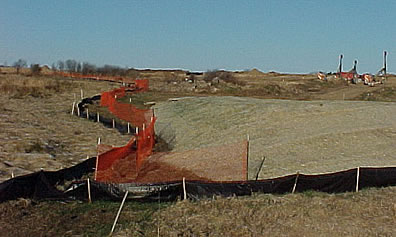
(353, 77)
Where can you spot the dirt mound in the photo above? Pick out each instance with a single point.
(306, 136)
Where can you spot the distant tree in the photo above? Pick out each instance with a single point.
(61, 65)
(112, 70)
(71, 65)
(79, 67)
(53, 66)
(35, 69)
(20, 64)
(88, 68)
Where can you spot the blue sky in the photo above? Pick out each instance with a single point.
(284, 36)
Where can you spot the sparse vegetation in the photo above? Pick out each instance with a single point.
(20, 64)
(38, 87)
(215, 76)
(35, 69)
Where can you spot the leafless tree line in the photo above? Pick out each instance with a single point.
(85, 68)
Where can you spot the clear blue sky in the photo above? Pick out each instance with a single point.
(285, 36)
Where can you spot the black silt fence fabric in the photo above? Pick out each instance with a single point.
(103, 191)
(121, 127)
(41, 185)
(377, 177)
(344, 181)
(35, 186)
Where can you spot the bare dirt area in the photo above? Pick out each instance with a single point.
(305, 136)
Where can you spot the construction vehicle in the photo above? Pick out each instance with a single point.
(353, 77)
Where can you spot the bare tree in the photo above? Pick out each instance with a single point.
(53, 67)
(71, 65)
(88, 68)
(20, 64)
(79, 67)
(61, 65)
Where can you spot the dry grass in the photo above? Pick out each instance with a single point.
(370, 212)
(39, 132)
(16, 86)
(367, 213)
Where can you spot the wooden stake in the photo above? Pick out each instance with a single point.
(89, 191)
(97, 117)
(137, 130)
(295, 182)
(261, 165)
(82, 94)
(74, 105)
(96, 165)
(118, 213)
(98, 140)
(113, 123)
(87, 114)
(129, 129)
(357, 179)
(184, 188)
(247, 158)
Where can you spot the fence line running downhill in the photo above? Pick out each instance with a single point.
(43, 184)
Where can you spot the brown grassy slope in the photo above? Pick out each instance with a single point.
(37, 129)
(370, 212)
(367, 213)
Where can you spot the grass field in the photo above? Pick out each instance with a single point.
(38, 131)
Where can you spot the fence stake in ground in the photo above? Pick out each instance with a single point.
(89, 190)
(87, 114)
(82, 94)
(97, 117)
(357, 178)
(113, 123)
(184, 188)
(129, 130)
(118, 213)
(72, 112)
(261, 165)
(98, 140)
(295, 182)
(247, 158)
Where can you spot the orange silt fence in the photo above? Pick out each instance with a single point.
(145, 143)
(126, 112)
(111, 165)
(142, 84)
(105, 163)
